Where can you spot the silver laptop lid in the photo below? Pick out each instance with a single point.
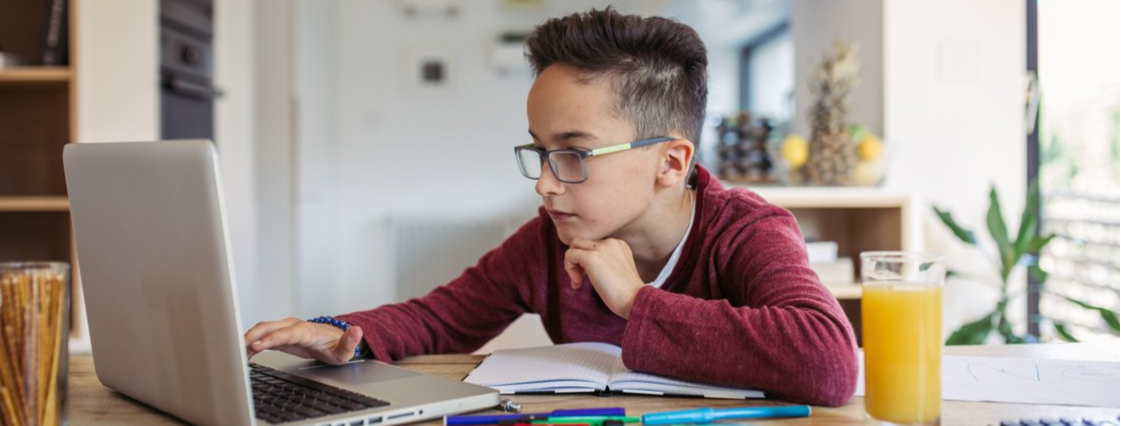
(157, 276)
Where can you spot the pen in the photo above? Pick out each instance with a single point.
(707, 415)
(527, 417)
(593, 420)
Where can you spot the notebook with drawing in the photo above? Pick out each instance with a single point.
(584, 367)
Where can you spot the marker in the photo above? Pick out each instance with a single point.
(707, 415)
(528, 417)
(593, 421)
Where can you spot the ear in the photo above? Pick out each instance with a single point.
(676, 157)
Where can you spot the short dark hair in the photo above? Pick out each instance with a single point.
(656, 66)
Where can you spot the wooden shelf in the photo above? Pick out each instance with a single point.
(829, 197)
(846, 292)
(34, 204)
(35, 75)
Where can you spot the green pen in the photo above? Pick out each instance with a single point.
(594, 420)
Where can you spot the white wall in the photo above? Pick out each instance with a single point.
(274, 171)
(117, 60)
(315, 159)
(235, 135)
(953, 101)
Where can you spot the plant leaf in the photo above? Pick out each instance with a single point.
(1029, 220)
(1005, 329)
(1036, 245)
(973, 333)
(1061, 329)
(1109, 316)
(963, 234)
(1037, 272)
(999, 232)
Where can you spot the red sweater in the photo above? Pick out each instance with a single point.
(740, 308)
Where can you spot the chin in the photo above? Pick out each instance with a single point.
(567, 233)
(564, 235)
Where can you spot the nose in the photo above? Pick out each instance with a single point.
(548, 184)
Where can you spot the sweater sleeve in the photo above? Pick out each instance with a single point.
(463, 315)
(779, 330)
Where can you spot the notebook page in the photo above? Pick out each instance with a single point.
(566, 367)
(634, 382)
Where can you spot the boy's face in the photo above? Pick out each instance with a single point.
(566, 113)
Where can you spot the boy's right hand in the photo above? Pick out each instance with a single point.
(304, 339)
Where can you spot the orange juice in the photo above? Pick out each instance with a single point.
(903, 351)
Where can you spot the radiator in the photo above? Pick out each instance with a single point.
(428, 252)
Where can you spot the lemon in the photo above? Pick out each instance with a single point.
(795, 151)
(870, 148)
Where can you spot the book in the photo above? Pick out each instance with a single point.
(837, 273)
(56, 34)
(584, 367)
(821, 251)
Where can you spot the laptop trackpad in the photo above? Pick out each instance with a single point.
(355, 373)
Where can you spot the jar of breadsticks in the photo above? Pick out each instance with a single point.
(34, 329)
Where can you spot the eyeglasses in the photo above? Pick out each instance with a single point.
(568, 165)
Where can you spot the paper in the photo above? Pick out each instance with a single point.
(1027, 381)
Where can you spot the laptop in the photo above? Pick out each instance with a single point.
(161, 301)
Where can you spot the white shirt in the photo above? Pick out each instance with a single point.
(673, 258)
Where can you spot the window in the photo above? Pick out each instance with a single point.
(767, 75)
(1075, 55)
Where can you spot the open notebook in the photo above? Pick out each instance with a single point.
(583, 367)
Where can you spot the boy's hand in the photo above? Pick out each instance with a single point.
(610, 266)
(304, 339)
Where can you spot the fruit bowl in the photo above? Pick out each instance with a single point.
(792, 156)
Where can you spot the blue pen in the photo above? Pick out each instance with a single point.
(707, 415)
(527, 417)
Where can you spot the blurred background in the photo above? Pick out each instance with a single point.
(366, 144)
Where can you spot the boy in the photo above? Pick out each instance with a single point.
(633, 245)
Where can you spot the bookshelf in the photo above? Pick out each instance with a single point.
(34, 204)
(31, 75)
(38, 118)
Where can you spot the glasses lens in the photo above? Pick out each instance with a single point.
(529, 160)
(569, 166)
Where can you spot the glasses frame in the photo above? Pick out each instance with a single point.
(583, 153)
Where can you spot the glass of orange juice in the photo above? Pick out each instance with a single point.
(902, 317)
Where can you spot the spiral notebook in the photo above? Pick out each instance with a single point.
(584, 367)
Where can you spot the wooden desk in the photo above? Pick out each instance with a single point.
(93, 404)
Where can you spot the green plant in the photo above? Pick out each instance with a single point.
(1059, 161)
(1021, 249)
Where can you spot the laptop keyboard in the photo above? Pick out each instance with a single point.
(279, 397)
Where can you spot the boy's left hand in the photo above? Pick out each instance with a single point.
(610, 266)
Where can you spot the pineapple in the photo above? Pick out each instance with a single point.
(832, 155)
